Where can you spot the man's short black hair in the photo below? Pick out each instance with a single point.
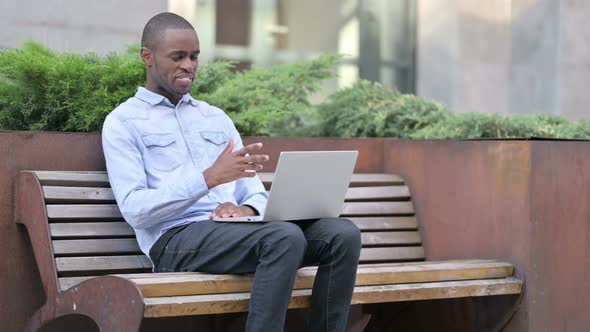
(160, 23)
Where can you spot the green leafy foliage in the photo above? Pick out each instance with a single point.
(372, 110)
(352, 112)
(482, 125)
(44, 90)
(261, 98)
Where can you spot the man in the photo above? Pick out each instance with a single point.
(175, 162)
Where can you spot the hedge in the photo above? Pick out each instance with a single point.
(41, 89)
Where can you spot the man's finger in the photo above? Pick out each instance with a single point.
(217, 209)
(227, 211)
(248, 149)
(254, 159)
(247, 174)
(222, 210)
(230, 146)
(251, 167)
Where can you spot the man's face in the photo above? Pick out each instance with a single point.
(172, 66)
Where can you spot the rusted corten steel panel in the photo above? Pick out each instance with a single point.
(559, 270)
(465, 189)
(472, 200)
(527, 202)
(370, 159)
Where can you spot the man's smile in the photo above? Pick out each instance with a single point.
(185, 78)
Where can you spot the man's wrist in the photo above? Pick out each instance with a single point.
(254, 211)
(209, 179)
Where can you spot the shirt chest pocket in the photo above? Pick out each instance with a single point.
(162, 152)
(215, 143)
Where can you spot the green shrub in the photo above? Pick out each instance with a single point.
(260, 99)
(372, 110)
(45, 90)
(352, 112)
(483, 125)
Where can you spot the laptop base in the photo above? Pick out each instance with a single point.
(240, 219)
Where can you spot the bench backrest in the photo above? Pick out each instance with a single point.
(89, 236)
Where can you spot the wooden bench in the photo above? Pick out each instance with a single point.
(90, 263)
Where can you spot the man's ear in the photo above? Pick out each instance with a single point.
(146, 56)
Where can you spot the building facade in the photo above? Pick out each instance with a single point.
(504, 56)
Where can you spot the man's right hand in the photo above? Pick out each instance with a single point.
(231, 166)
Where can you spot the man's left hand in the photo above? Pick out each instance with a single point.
(230, 210)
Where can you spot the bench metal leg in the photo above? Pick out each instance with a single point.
(357, 319)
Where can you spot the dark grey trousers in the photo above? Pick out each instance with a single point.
(274, 251)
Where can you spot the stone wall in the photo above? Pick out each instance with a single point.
(82, 26)
(505, 56)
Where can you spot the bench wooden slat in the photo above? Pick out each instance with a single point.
(111, 211)
(102, 263)
(100, 179)
(366, 179)
(238, 302)
(385, 223)
(370, 274)
(61, 194)
(391, 254)
(83, 211)
(378, 193)
(390, 238)
(67, 282)
(95, 247)
(136, 276)
(57, 194)
(105, 229)
(64, 178)
(195, 283)
(91, 229)
(87, 247)
(137, 262)
(377, 208)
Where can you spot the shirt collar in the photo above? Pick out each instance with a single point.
(153, 98)
(188, 98)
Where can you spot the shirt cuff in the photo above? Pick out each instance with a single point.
(257, 202)
(198, 185)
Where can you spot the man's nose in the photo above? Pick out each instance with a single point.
(189, 65)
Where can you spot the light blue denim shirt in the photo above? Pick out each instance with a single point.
(155, 156)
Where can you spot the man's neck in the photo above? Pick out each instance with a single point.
(174, 99)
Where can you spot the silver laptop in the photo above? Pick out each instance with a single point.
(307, 185)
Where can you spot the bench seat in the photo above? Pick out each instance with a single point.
(84, 249)
(197, 294)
